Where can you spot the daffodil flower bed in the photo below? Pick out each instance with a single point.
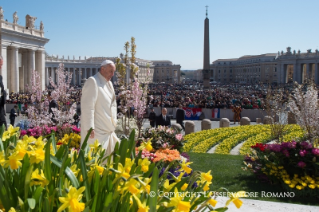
(35, 175)
(227, 144)
(263, 137)
(194, 138)
(291, 164)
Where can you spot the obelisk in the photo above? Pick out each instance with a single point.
(206, 65)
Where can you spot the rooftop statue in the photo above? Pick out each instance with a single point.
(29, 21)
(15, 17)
(1, 13)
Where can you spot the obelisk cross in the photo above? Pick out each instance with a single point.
(206, 11)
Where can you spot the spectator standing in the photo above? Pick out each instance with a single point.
(13, 114)
(163, 119)
(152, 117)
(237, 111)
(3, 95)
(180, 116)
(52, 104)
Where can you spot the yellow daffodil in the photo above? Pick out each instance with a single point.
(212, 202)
(12, 209)
(38, 179)
(13, 162)
(184, 167)
(10, 132)
(206, 177)
(37, 156)
(122, 171)
(95, 145)
(234, 198)
(146, 145)
(168, 186)
(71, 201)
(128, 164)
(206, 187)
(2, 158)
(142, 207)
(75, 170)
(132, 186)
(184, 187)
(178, 203)
(144, 164)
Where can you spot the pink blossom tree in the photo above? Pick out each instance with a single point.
(304, 105)
(38, 113)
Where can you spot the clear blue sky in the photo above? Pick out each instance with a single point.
(172, 29)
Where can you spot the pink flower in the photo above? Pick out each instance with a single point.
(302, 153)
(315, 151)
(301, 164)
(23, 132)
(179, 137)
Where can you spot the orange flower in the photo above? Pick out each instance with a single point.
(166, 155)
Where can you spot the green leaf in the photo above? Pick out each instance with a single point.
(123, 150)
(108, 202)
(84, 176)
(36, 195)
(46, 205)
(67, 171)
(154, 189)
(27, 182)
(96, 189)
(47, 162)
(131, 141)
(31, 203)
(53, 142)
(84, 145)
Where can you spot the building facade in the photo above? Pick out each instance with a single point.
(83, 68)
(278, 67)
(166, 71)
(22, 49)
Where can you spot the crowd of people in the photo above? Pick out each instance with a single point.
(220, 96)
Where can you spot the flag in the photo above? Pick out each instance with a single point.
(192, 113)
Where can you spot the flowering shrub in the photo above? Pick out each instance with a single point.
(292, 164)
(164, 137)
(36, 175)
(46, 130)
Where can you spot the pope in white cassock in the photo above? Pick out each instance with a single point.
(99, 109)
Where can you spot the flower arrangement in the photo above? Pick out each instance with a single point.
(73, 137)
(164, 137)
(46, 131)
(292, 164)
(229, 137)
(36, 175)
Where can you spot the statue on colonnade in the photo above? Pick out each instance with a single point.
(15, 17)
(29, 21)
(1, 13)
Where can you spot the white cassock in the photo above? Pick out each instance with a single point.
(99, 111)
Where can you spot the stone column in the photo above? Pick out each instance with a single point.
(52, 74)
(80, 76)
(14, 70)
(56, 75)
(41, 68)
(90, 72)
(73, 76)
(4, 66)
(308, 71)
(295, 74)
(46, 76)
(25, 69)
(84, 74)
(31, 64)
(316, 74)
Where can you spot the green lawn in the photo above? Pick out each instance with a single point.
(227, 172)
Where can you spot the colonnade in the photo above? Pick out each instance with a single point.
(78, 74)
(299, 72)
(18, 64)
